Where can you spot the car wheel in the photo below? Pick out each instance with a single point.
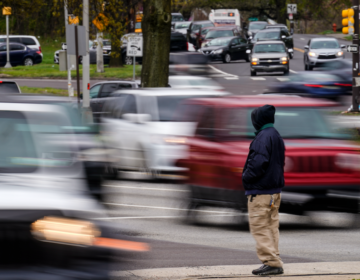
(28, 61)
(252, 73)
(128, 60)
(227, 58)
(311, 67)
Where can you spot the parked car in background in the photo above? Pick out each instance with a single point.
(194, 29)
(141, 128)
(269, 56)
(316, 84)
(9, 87)
(176, 17)
(226, 49)
(30, 41)
(275, 34)
(320, 51)
(194, 82)
(254, 27)
(217, 32)
(19, 55)
(182, 27)
(321, 163)
(101, 90)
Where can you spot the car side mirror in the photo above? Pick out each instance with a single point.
(342, 46)
(306, 47)
(283, 37)
(248, 51)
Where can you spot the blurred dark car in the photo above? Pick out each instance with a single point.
(50, 227)
(178, 43)
(316, 84)
(275, 34)
(194, 29)
(278, 25)
(7, 87)
(19, 55)
(321, 164)
(218, 32)
(226, 49)
(255, 27)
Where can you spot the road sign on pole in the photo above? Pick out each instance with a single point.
(352, 48)
(292, 9)
(134, 48)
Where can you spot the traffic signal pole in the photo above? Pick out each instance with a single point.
(355, 88)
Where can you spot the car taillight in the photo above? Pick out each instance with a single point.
(311, 85)
(343, 85)
(0, 82)
(40, 49)
(39, 52)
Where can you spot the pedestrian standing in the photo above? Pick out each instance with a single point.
(263, 179)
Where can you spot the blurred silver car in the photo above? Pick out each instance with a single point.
(320, 51)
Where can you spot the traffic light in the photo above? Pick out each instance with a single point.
(348, 21)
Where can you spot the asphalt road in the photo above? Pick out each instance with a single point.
(155, 212)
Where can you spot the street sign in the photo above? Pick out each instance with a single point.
(100, 21)
(134, 46)
(70, 40)
(292, 9)
(73, 19)
(352, 48)
(253, 19)
(290, 16)
(6, 11)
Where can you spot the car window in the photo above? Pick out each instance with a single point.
(124, 85)
(233, 124)
(3, 48)
(206, 125)
(28, 41)
(266, 48)
(129, 106)
(177, 18)
(234, 42)
(9, 87)
(219, 42)
(182, 25)
(195, 27)
(243, 41)
(270, 35)
(113, 107)
(207, 24)
(14, 40)
(107, 89)
(16, 48)
(94, 91)
(325, 44)
(257, 26)
(219, 33)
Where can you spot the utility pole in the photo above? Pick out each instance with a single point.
(99, 53)
(7, 12)
(355, 93)
(86, 58)
(70, 88)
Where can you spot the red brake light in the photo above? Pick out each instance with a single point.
(343, 85)
(310, 85)
(40, 49)
(187, 46)
(0, 82)
(39, 52)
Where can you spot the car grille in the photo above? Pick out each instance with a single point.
(315, 164)
(269, 61)
(327, 56)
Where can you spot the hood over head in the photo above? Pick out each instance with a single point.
(262, 116)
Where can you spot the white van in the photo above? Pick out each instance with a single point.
(225, 17)
(30, 41)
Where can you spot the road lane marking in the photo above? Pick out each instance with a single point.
(299, 50)
(164, 208)
(145, 188)
(302, 38)
(258, 79)
(222, 72)
(283, 79)
(231, 78)
(292, 71)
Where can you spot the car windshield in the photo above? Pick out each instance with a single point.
(326, 44)
(8, 87)
(257, 26)
(219, 33)
(177, 18)
(168, 105)
(270, 35)
(182, 25)
(276, 26)
(204, 31)
(291, 122)
(269, 48)
(219, 42)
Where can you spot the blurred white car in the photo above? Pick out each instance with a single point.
(142, 127)
(194, 82)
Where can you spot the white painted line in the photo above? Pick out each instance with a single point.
(283, 79)
(144, 188)
(232, 78)
(222, 72)
(292, 71)
(302, 38)
(258, 79)
(165, 208)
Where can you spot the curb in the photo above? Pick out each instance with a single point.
(318, 270)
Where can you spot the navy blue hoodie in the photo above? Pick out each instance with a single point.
(264, 168)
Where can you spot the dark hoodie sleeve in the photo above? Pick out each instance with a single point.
(257, 163)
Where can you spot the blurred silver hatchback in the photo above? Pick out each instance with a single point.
(320, 51)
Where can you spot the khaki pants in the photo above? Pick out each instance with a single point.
(264, 227)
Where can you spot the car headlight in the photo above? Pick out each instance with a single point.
(284, 60)
(313, 54)
(340, 53)
(249, 33)
(254, 59)
(218, 51)
(64, 230)
(348, 161)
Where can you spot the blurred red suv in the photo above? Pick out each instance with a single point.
(322, 165)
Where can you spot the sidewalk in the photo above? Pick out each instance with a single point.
(317, 270)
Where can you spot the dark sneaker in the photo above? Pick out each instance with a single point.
(268, 270)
